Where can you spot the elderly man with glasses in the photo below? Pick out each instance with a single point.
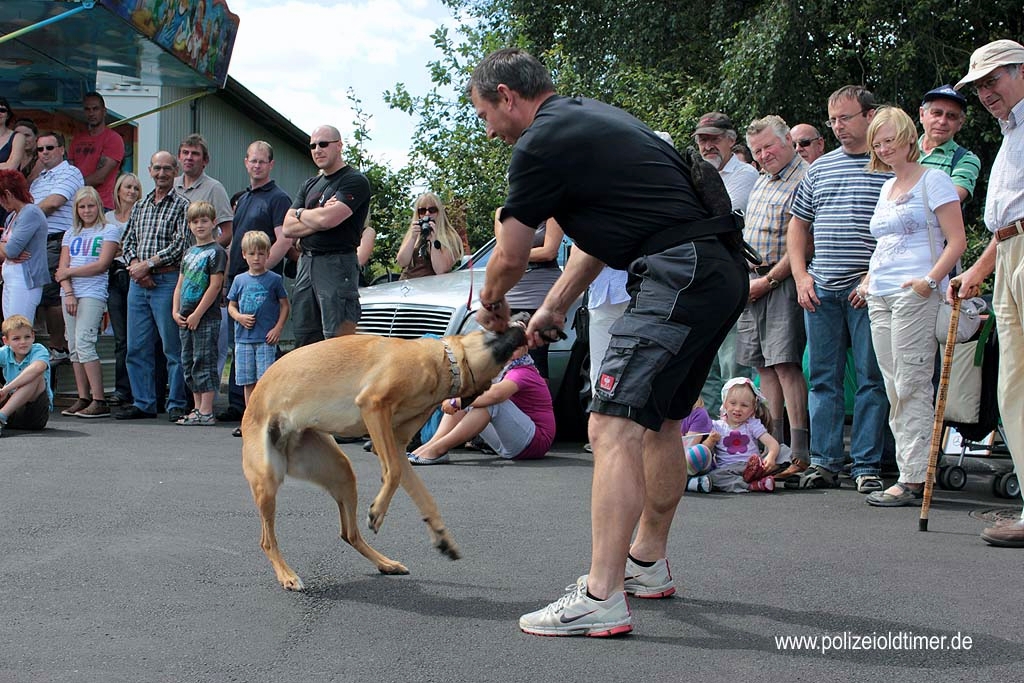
(997, 72)
(327, 216)
(154, 240)
(808, 141)
(942, 115)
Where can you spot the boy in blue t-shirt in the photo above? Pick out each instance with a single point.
(259, 306)
(197, 313)
(25, 399)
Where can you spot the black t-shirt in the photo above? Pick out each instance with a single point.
(607, 179)
(349, 186)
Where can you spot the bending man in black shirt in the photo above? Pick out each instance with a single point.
(627, 199)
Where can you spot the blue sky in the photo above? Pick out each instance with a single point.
(300, 56)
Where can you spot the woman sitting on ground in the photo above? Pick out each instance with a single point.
(514, 417)
(431, 245)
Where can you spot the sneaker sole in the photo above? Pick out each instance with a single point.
(601, 631)
(90, 417)
(653, 594)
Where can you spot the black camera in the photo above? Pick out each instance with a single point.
(425, 225)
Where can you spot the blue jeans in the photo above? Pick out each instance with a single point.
(149, 317)
(834, 325)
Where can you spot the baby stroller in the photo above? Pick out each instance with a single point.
(972, 410)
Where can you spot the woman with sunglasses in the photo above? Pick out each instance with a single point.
(431, 245)
(12, 146)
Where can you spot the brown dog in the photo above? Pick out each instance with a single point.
(352, 386)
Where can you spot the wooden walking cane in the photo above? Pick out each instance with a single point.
(940, 404)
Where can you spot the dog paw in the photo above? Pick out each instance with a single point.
(293, 583)
(394, 569)
(448, 548)
(373, 522)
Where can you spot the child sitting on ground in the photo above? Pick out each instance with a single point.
(745, 427)
(197, 314)
(259, 306)
(25, 399)
(699, 440)
(514, 416)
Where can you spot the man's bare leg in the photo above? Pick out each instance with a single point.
(616, 498)
(665, 474)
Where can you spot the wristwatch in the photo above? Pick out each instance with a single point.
(772, 282)
(298, 213)
(151, 264)
(932, 284)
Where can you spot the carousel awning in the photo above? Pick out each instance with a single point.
(51, 50)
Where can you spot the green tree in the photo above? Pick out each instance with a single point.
(391, 188)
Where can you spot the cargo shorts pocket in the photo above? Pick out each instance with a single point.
(638, 351)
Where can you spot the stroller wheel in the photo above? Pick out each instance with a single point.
(953, 478)
(1006, 485)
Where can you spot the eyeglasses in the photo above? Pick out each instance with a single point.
(321, 144)
(163, 169)
(424, 210)
(46, 148)
(989, 83)
(806, 141)
(844, 119)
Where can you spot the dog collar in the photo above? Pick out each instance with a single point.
(453, 364)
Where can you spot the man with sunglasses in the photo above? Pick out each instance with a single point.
(327, 216)
(808, 141)
(53, 191)
(997, 72)
(838, 196)
(942, 114)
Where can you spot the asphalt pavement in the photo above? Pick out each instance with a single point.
(130, 552)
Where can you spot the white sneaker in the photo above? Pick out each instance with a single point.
(701, 484)
(574, 614)
(649, 582)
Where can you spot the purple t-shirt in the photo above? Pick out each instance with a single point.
(534, 399)
(737, 443)
(698, 421)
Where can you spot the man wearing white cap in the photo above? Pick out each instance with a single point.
(997, 72)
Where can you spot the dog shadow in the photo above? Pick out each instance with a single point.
(475, 459)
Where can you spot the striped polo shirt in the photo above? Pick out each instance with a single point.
(770, 208)
(968, 167)
(838, 196)
(64, 180)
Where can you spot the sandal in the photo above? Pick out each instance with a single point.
(817, 477)
(417, 460)
(906, 496)
(869, 483)
(197, 419)
(181, 420)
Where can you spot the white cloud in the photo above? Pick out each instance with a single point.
(302, 56)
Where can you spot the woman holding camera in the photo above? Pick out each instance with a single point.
(431, 246)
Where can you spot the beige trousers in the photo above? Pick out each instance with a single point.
(1008, 305)
(903, 334)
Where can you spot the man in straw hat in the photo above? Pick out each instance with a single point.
(997, 75)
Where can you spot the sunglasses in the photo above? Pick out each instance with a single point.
(424, 210)
(322, 144)
(806, 141)
(46, 148)
(3, 109)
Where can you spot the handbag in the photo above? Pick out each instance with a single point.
(970, 309)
